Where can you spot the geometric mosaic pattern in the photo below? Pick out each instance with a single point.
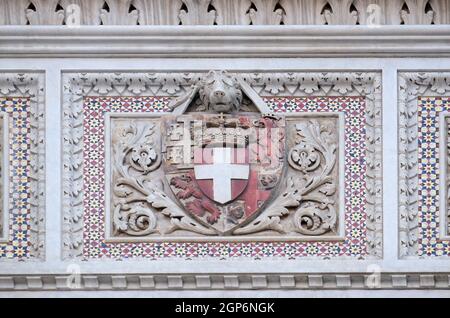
(95, 246)
(428, 161)
(18, 111)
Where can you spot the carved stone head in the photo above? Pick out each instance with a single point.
(220, 92)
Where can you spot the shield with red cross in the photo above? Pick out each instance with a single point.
(235, 166)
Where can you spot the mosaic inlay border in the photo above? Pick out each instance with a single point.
(94, 181)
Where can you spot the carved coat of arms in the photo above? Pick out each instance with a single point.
(221, 165)
(227, 166)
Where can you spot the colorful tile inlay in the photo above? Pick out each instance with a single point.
(94, 179)
(428, 162)
(19, 193)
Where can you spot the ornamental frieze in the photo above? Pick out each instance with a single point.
(216, 171)
(192, 158)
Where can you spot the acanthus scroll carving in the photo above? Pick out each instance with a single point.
(309, 196)
(137, 194)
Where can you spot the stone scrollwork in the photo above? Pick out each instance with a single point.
(313, 220)
(135, 152)
(308, 198)
(137, 195)
(318, 215)
(137, 221)
(144, 156)
(303, 157)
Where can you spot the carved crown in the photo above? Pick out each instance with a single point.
(223, 131)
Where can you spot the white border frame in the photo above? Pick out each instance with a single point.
(77, 86)
(108, 116)
(443, 174)
(341, 171)
(5, 177)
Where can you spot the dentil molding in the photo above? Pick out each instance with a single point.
(224, 12)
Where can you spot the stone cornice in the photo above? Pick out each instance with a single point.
(225, 41)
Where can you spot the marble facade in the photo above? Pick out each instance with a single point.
(306, 156)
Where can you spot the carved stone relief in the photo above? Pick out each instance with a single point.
(187, 194)
(310, 197)
(157, 189)
(224, 12)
